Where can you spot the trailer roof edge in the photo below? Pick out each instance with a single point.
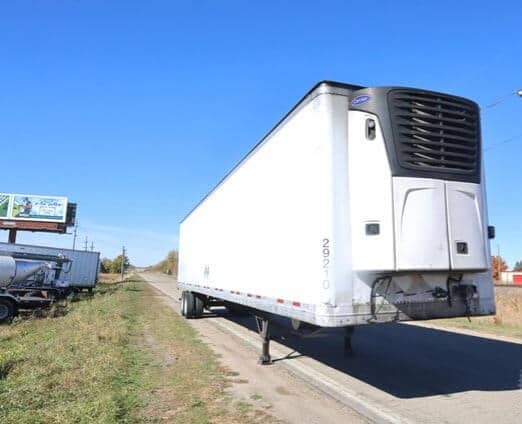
(322, 87)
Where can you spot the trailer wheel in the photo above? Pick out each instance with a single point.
(7, 310)
(199, 304)
(189, 304)
(194, 305)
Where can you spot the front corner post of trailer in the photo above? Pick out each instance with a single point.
(264, 332)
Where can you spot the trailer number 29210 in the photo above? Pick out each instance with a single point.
(326, 263)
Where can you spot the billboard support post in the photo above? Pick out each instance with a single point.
(75, 234)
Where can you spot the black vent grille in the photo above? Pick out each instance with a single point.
(435, 132)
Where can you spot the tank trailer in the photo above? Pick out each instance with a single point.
(29, 281)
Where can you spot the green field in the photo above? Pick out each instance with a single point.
(121, 356)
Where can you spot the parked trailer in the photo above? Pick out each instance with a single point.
(25, 282)
(84, 267)
(362, 205)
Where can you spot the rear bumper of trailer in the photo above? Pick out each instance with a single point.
(324, 315)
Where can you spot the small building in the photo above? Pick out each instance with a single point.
(511, 277)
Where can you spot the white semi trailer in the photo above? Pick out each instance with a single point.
(362, 205)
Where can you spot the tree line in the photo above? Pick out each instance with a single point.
(498, 265)
(113, 266)
(169, 265)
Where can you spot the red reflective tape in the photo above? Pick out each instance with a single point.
(298, 304)
(280, 301)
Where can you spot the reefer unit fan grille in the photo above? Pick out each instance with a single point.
(435, 132)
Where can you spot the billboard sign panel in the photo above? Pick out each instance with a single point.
(4, 205)
(29, 207)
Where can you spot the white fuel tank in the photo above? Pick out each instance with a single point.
(7, 270)
(16, 271)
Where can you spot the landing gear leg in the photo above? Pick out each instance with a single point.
(263, 330)
(348, 340)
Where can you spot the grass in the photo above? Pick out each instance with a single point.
(507, 321)
(121, 356)
(104, 278)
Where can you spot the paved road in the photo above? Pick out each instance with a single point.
(400, 372)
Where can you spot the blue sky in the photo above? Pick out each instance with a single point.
(135, 109)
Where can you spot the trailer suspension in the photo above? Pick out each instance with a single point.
(264, 332)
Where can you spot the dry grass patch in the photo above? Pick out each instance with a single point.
(188, 383)
(120, 356)
(108, 279)
(104, 278)
(507, 321)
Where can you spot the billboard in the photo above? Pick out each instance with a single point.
(29, 207)
(4, 205)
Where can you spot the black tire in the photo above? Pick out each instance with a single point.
(7, 310)
(199, 304)
(193, 305)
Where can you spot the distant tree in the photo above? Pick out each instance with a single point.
(169, 265)
(116, 264)
(498, 265)
(518, 266)
(106, 266)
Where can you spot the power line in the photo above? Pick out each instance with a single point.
(496, 102)
(501, 143)
(504, 98)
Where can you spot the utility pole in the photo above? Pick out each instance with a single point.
(75, 234)
(92, 246)
(122, 262)
(498, 263)
(86, 243)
